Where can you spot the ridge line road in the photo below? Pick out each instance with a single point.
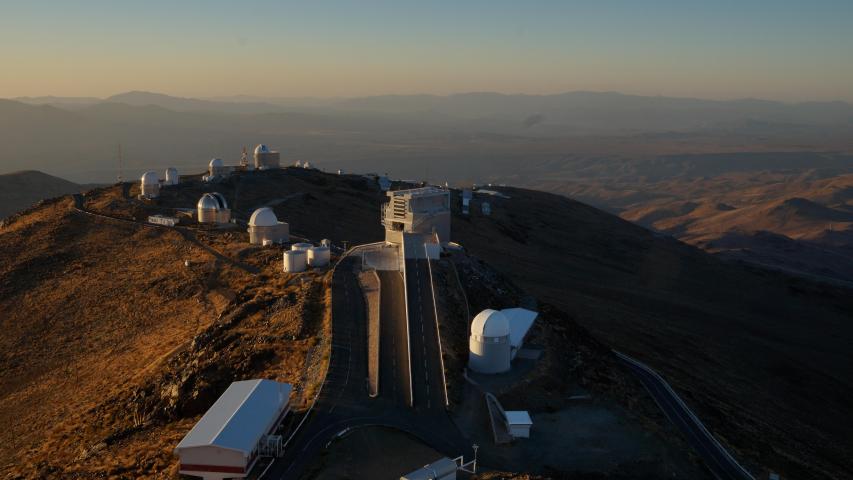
(718, 460)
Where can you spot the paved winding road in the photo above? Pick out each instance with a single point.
(717, 458)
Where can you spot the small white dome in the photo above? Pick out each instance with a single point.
(490, 323)
(216, 162)
(208, 202)
(150, 178)
(262, 149)
(263, 217)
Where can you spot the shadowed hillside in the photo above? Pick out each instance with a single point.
(19, 190)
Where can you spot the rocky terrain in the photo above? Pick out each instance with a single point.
(111, 345)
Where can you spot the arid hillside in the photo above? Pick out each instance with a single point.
(763, 356)
(111, 345)
(19, 190)
(790, 211)
(117, 336)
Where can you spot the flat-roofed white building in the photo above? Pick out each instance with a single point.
(518, 423)
(225, 443)
(418, 210)
(441, 469)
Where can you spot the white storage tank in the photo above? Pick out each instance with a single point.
(150, 185)
(318, 256)
(172, 177)
(295, 261)
(301, 246)
(490, 350)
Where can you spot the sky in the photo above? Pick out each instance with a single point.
(781, 50)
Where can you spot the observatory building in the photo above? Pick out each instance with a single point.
(496, 337)
(237, 429)
(217, 168)
(265, 158)
(264, 227)
(149, 185)
(172, 177)
(212, 208)
(418, 210)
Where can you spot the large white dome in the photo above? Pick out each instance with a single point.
(490, 323)
(208, 202)
(216, 162)
(263, 217)
(150, 178)
(262, 149)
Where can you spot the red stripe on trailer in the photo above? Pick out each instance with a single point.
(211, 468)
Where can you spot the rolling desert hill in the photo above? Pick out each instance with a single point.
(763, 357)
(19, 190)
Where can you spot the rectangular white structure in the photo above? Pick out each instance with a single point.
(418, 210)
(441, 469)
(225, 442)
(518, 423)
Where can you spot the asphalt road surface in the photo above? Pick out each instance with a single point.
(394, 380)
(427, 375)
(716, 457)
(344, 402)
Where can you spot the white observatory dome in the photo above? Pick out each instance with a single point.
(216, 163)
(208, 202)
(261, 149)
(263, 217)
(219, 199)
(150, 178)
(490, 323)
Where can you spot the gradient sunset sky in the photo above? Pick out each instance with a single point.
(781, 49)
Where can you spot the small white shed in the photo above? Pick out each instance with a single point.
(518, 423)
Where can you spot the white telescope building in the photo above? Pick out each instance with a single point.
(496, 337)
(265, 227)
(149, 185)
(418, 210)
(212, 208)
(265, 158)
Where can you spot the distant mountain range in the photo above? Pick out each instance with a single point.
(573, 112)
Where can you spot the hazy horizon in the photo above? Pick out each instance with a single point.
(777, 51)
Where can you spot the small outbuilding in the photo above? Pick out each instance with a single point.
(518, 423)
(228, 439)
(265, 228)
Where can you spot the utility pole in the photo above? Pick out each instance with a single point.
(119, 164)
